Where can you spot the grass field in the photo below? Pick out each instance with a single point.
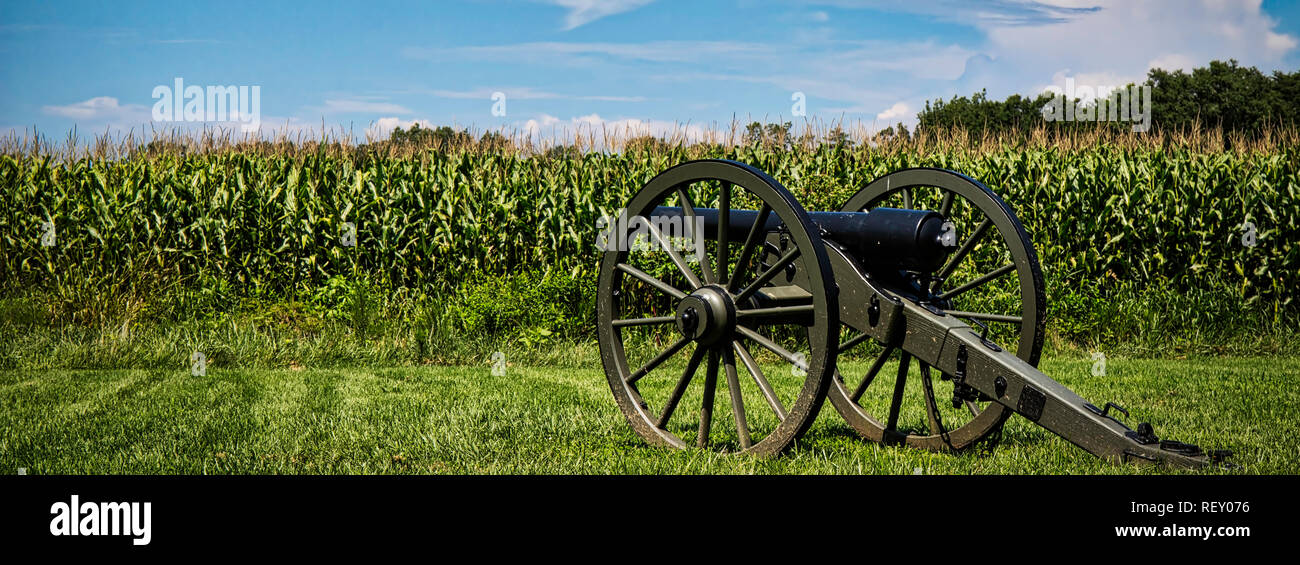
(347, 297)
(549, 420)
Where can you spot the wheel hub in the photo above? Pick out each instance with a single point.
(706, 315)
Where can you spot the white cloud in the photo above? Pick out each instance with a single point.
(1093, 81)
(589, 120)
(99, 108)
(517, 93)
(1122, 40)
(924, 59)
(1172, 62)
(286, 126)
(1004, 13)
(595, 129)
(1278, 42)
(110, 114)
(268, 127)
(580, 53)
(582, 12)
(897, 111)
(850, 71)
(535, 126)
(383, 127)
(1032, 44)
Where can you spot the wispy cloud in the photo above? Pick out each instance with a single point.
(925, 59)
(595, 129)
(582, 12)
(988, 12)
(381, 128)
(869, 53)
(359, 107)
(99, 108)
(850, 71)
(898, 111)
(1122, 41)
(521, 93)
(106, 34)
(612, 67)
(559, 52)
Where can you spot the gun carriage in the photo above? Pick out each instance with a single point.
(907, 272)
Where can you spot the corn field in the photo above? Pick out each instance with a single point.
(280, 223)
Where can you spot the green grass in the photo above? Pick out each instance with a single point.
(549, 420)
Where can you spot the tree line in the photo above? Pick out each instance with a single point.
(1222, 94)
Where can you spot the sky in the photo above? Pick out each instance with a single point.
(644, 66)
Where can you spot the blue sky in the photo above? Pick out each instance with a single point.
(652, 65)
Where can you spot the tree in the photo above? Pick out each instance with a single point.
(1225, 94)
(980, 113)
(839, 138)
(770, 135)
(778, 135)
(754, 134)
(493, 141)
(645, 143)
(563, 152)
(442, 137)
(890, 135)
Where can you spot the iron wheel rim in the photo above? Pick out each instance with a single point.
(822, 338)
(1032, 302)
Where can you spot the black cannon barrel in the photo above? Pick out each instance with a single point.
(882, 238)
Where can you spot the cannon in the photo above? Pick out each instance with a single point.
(714, 261)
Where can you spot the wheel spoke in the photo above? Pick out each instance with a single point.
(784, 312)
(659, 359)
(767, 275)
(689, 208)
(724, 232)
(672, 254)
(761, 380)
(768, 344)
(965, 248)
(871, 373)
(644, 321)
(737, 403)
(931, 407)
(852, 342)
(680, 388)
(983, 316)
(985, 279)
(945, 208)
(973, 407)
(706, 406)
(647, 278)
(897, 403)
(907, 198)
(751, 242)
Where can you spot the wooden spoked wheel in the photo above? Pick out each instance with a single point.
(671, 320)
(992, 280)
